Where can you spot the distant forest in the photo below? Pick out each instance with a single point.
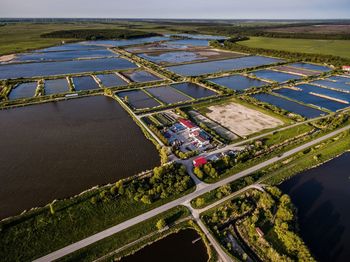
(98, 34)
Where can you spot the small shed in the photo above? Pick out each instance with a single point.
(200, 161)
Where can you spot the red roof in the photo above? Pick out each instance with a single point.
(187, 123)
(199, 161)
(346, 67)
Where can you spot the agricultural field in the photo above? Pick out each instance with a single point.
(313, 46)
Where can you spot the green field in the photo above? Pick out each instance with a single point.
(19, 37)
(313, 46)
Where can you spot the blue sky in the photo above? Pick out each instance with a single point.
(223, 9)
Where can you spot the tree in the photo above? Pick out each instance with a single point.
(161, 224)
(199, 202)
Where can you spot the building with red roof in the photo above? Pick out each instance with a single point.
(188, 124)
(199, 161)
(346, 68)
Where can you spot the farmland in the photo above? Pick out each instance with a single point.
(313, 46)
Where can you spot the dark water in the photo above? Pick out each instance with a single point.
(84, 83)
(222, 65)
(311, 99)
(312, 67)
(56, 86)
(238, 82)
(322, 197)
(193, 90)
(325, 91)
(275, 76)
(290, 106)
(176, 247)
(139, 99)
(66, 55)
(111, 80)
(23, 90)
(63, 67)
(167, 94)
(59, 149)
(338, 85)
(141, 76)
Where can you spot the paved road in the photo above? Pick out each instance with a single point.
(200, 189)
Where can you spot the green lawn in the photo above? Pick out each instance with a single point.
(313, 46)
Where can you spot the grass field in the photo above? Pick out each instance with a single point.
(19, 37)
(314, 46)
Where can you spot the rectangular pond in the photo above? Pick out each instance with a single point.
(331, 84)
(168, 95)
(66, 55)
(237, 82)
(194, 90)
(140, 76)
(84, 83)
(222, 65)
(310, 99)
(301, 71)
(63, 67)
(172, 57)
(313, 67)
(325, 91)
(111, 80)
(202, 37)
(138, 99)
(56, 86)
(288, 105)
(321, 195)
(59, 149)
(24, 90)
(276, 76)
(340, 79)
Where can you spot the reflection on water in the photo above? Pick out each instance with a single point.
(321, 196)
(59, 149)
(174, 248)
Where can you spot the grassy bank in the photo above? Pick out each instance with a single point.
(41, 231)
(312, 46)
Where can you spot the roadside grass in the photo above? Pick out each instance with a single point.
(134, 233)
(278, 172)
(280, 136)
(40, 232)
(307, 159)
(313, 46)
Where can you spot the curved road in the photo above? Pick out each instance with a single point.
(201, 188)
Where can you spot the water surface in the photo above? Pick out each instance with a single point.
(312, 67)
(138, 99)
(24, 90)
(288, 105)
(58, 149)
(63, 67)
(193, 90)
(237, 82)
(84, 83)
(56, 86)
(222, 65)
(173, 248)
(311, 99)
(140, 76)
(168, 95)
(111, 80)
(322, 197)
(275, 75)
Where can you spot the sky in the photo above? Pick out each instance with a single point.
(200, 9)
